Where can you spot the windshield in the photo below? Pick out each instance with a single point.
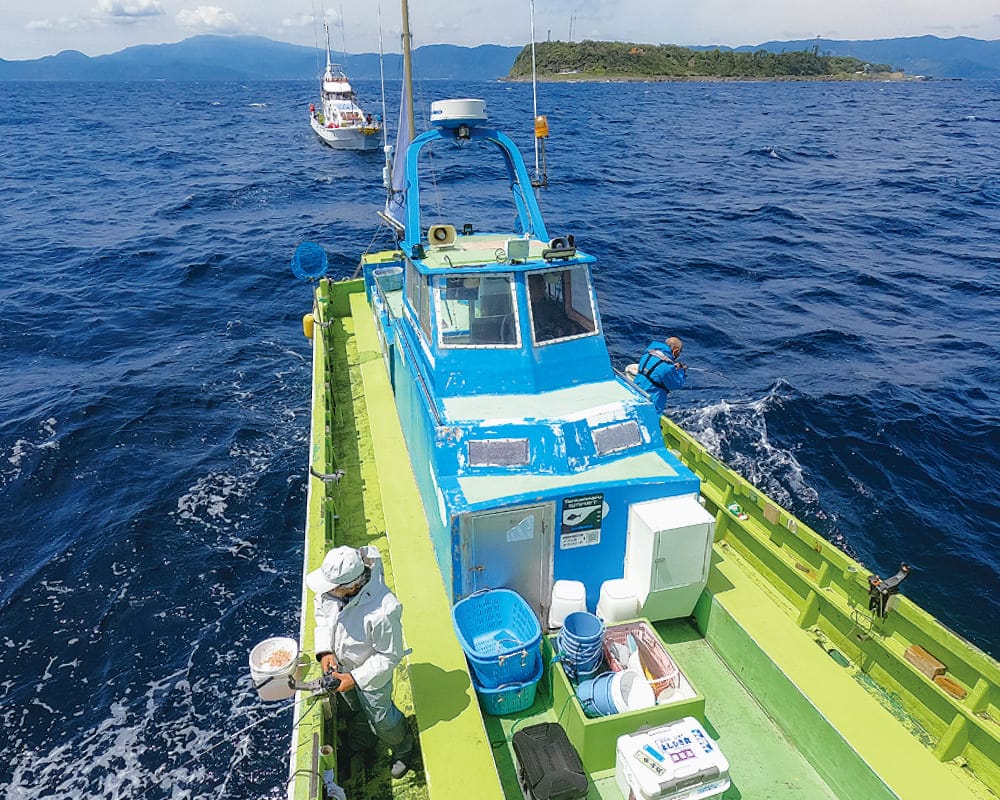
(562, 306)
(477, 310)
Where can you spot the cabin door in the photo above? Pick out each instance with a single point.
(513, 550)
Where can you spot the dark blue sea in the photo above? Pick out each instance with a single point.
(829, 252)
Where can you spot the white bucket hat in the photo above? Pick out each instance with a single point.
(341, 566)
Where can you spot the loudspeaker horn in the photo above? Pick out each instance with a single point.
(441, 235)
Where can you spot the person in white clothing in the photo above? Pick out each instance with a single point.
(359, 639)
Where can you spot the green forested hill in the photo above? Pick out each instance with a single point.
(628, 60)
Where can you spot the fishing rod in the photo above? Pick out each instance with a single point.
(710, 372)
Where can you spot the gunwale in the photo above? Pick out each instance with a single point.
(776, 590)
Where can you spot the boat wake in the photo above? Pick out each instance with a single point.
(736, 432)
(123, 754)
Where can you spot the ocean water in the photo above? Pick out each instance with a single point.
(829, 253)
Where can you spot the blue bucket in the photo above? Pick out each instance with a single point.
(595, 695)
(581, 645)
(583, 628)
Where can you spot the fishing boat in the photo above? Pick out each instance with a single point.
(340, 121)
(467, 420)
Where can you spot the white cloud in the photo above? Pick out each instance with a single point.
(128, 10)
(61, 24)
(301, 21)
(210, 18)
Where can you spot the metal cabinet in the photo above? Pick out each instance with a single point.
(668, 553)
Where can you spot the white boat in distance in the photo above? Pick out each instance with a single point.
(339, 121)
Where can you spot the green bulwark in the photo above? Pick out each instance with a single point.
(780, 590)
(376, 502)
(806, 693)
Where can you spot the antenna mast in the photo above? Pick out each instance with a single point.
(541, 123)
(408, 67)
(343, 35)
(381, 75)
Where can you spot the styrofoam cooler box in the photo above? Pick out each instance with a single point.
(678, 761)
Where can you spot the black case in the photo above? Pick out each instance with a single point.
(549, 768)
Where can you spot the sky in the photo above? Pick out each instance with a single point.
(35, 28)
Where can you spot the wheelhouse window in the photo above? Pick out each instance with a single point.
(562, 305)
(419, 295)
(476, 310)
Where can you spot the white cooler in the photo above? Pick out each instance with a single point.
(618, 601)
(567, 597)
(678, 761)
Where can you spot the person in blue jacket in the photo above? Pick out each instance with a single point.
(660, 370)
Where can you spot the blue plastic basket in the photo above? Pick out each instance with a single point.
(516, 667)
(494, 623)
(500, 635)
(510, 698)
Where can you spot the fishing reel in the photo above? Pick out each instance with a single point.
(881, 591)
(325, 684)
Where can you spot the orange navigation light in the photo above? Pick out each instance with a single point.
(541, 127)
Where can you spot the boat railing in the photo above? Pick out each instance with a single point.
(831, 595)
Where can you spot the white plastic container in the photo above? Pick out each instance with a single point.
(630, 691)
(272, 662)
(678, 761)
(567, 597)
(619, 601)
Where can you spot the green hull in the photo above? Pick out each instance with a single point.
(807, 696)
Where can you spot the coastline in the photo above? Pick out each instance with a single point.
(581, 77)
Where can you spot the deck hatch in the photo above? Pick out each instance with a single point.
(616, 437)
(498, 452)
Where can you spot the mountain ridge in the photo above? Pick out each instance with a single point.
(248, 58)
(212, 57)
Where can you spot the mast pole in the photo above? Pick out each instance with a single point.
(343, 34)
(408, 67)
(534, 83)
(381, 75)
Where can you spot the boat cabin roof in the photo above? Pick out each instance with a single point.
(486, 251)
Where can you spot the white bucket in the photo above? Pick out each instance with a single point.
(272, 662)
(618, 601)
(567, 597)
(630, 691)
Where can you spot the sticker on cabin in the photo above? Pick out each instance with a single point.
(581, 521)
(523, 531)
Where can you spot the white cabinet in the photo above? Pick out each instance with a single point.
(667, 554)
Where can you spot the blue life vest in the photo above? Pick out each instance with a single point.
(658, 373)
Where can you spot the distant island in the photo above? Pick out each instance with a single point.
(590, 60)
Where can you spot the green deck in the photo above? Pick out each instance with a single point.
(792, 720)
(764, 763)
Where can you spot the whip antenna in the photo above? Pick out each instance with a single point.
(541, 123)
(381, 75)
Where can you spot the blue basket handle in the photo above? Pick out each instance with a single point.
(523, 654)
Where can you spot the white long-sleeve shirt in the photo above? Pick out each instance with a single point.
(364, 632)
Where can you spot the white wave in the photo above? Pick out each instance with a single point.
(177, 739)
(207, 500)
(45, 439)
(772, 469)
